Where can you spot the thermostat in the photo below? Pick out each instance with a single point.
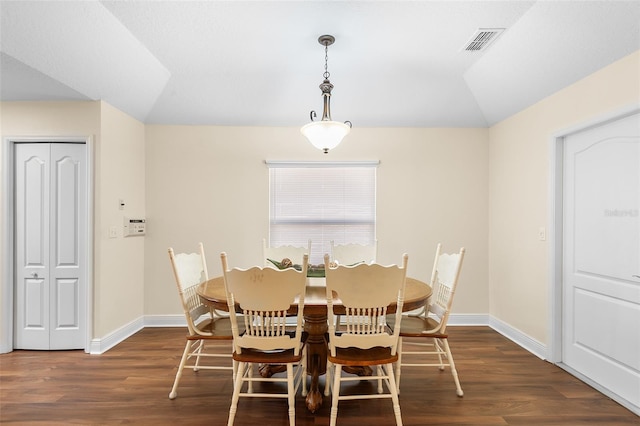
(134, 226)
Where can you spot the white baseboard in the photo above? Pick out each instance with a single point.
(101, 345)
(530, 344)
(468, 319)
(165, 321)
(620, 400)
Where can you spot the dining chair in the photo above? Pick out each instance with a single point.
(262, 296)
(352, 254)
(349, 254)
(430, 324)
(273, 256)
(367, 292)
(207, 331)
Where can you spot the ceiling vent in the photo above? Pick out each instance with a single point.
(482, 38)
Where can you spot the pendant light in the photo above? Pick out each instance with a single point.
(325, 134)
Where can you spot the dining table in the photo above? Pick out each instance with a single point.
(212, 293)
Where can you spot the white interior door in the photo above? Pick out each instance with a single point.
(601, 256)
(51, 214)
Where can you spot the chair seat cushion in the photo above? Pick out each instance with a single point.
(271, 357)
(218, 329)
(416, 327)
(361, 357)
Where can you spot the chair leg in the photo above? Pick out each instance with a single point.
(196, 366)
(337, 371)
(328, 378)
(439, 351)
(183, 361)
(303, 365)
(454, 372)
(380, 374)
(236, 392)
(399, 364)
(234, 367)
(394, 394)
(291, 395)
(234, 371)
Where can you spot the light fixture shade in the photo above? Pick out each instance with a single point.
(325, 135)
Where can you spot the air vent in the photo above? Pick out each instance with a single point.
(482, 38)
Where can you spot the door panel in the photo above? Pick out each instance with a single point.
(601, 296)
(68, 214)
(65, 188)
(32, 246)
(36, 310)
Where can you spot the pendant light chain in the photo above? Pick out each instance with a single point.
(326, 59)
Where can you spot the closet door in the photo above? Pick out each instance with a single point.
(50, 222)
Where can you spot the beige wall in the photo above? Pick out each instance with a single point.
(519, 158)
(210, 184)
(485, 189)
(118, 263)
(119, 290)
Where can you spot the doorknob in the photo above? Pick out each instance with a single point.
(34, 275)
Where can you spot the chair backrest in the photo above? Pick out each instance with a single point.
(444, 280)
(366, 291)
(277, 254)
(263, 296)
(189, 270)
(349, 254)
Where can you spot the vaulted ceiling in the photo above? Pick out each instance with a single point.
(394, 63)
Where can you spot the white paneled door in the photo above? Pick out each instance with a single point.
(50, 221)
(601, 269)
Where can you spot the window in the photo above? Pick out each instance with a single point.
(322, 202)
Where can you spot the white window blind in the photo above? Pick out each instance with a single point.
(322, 202)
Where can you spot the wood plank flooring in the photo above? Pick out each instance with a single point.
(503, 385)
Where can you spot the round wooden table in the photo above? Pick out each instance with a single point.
(315, 322)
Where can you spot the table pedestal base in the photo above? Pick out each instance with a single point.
(316, 326)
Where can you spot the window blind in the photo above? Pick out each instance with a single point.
(322, 202)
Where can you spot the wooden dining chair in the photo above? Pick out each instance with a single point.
(263, 296)
(273, 256)
(366, 291)
(427, 329)
(209, 335)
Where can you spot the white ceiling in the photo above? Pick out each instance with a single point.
(394, 63)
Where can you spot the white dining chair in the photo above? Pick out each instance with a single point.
(367, 292)
(263, 296)
(209, 335)
(351, 253)
(273, 256)
(424, 341)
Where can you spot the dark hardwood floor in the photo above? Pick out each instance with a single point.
(503, 385)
